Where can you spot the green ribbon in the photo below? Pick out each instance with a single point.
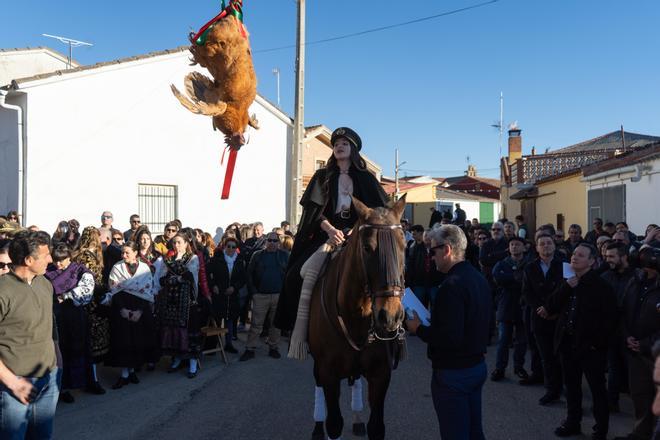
(234, 9)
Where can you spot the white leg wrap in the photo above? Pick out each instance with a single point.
(319, 405)
(298, 346)
(357, 403)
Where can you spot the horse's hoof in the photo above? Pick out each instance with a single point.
(359, 429)
(318, 433)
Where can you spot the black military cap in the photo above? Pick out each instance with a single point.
(345, 132)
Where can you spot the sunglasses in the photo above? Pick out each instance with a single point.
(106, 216)
(482, 238)
(231, 246)
(434, 248)
(119, 239)
(273, 240)
(5, 266)
(496, 229)
(170, 230)
(12, 218)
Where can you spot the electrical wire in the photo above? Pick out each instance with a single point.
(382, 28)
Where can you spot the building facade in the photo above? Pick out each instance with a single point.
(112, 137)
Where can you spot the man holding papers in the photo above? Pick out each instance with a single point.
(457, 336)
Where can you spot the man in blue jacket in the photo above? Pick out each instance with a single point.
(508, 275)
(457, 337)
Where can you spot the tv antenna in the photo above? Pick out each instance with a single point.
(71, 42)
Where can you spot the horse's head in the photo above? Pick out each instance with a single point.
(382, 247)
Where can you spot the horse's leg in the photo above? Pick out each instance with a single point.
(334, 423)
(379, 381)
(319, 408)
(357, 405)
(319, 414)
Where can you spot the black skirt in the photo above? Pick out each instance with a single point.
(131, 343)
(74, 343)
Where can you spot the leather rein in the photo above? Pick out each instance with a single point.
(372, 335)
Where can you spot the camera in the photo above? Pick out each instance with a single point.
(649, 258)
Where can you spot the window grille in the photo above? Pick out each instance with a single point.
(157, 205)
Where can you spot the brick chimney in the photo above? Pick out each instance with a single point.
(515, 145)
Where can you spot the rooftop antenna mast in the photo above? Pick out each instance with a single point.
(500, 125)
(72, 43)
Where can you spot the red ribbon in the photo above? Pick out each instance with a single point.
(229, 173)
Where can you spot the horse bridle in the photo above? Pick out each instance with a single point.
(372, 335)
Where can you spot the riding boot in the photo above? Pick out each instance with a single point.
(298, 346)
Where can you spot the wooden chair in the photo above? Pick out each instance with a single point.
(212, 330)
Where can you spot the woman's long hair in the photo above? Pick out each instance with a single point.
(90, 241)
(332, 168)
(137, 236)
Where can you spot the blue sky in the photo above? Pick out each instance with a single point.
(569, 70)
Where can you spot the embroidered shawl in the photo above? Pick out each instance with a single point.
(140, 284)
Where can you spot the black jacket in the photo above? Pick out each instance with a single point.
(537, 288)
(252, 245)
(226, 306)
(257, 268)
(458, 334)
(619, 282)
(491, 253)
(319, 202)
(595, 315)
(508, 275)
(436, 217)
(416, 274)
(641, 311)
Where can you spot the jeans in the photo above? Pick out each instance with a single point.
(457, 401)
(507, 330)
(425, 295)
(32, 421)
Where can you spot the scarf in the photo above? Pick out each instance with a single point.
(230, 262)
(140, 284)
(64, 280)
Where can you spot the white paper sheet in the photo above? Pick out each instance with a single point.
(568, 271)
(410, 303)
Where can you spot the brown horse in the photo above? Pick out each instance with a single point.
(356, 314)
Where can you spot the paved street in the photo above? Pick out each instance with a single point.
(273, 399)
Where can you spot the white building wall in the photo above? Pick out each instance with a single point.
(642, 207)
(21, 63)
(94, 136)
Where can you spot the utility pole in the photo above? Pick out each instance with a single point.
(276, 72)
(299, 117)
(501, 120)
(397, 167)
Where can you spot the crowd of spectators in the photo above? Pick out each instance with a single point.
(125, 299)
(582, 305)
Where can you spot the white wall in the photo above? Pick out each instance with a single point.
(93, 136)
(22, 63)
(642, 197)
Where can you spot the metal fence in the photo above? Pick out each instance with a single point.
(157, 205)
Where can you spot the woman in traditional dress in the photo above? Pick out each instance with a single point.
(227, 275)
(73, 286)
(178, 307)
(90, 255)
(151, 257)
(131, 321)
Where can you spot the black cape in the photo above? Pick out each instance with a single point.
(319, 202)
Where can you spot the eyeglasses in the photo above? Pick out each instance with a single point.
(433, 249)
(170, 230)
(6, 266)
(496, 229)
(273, 240)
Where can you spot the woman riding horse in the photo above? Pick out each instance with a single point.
(327, 215)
